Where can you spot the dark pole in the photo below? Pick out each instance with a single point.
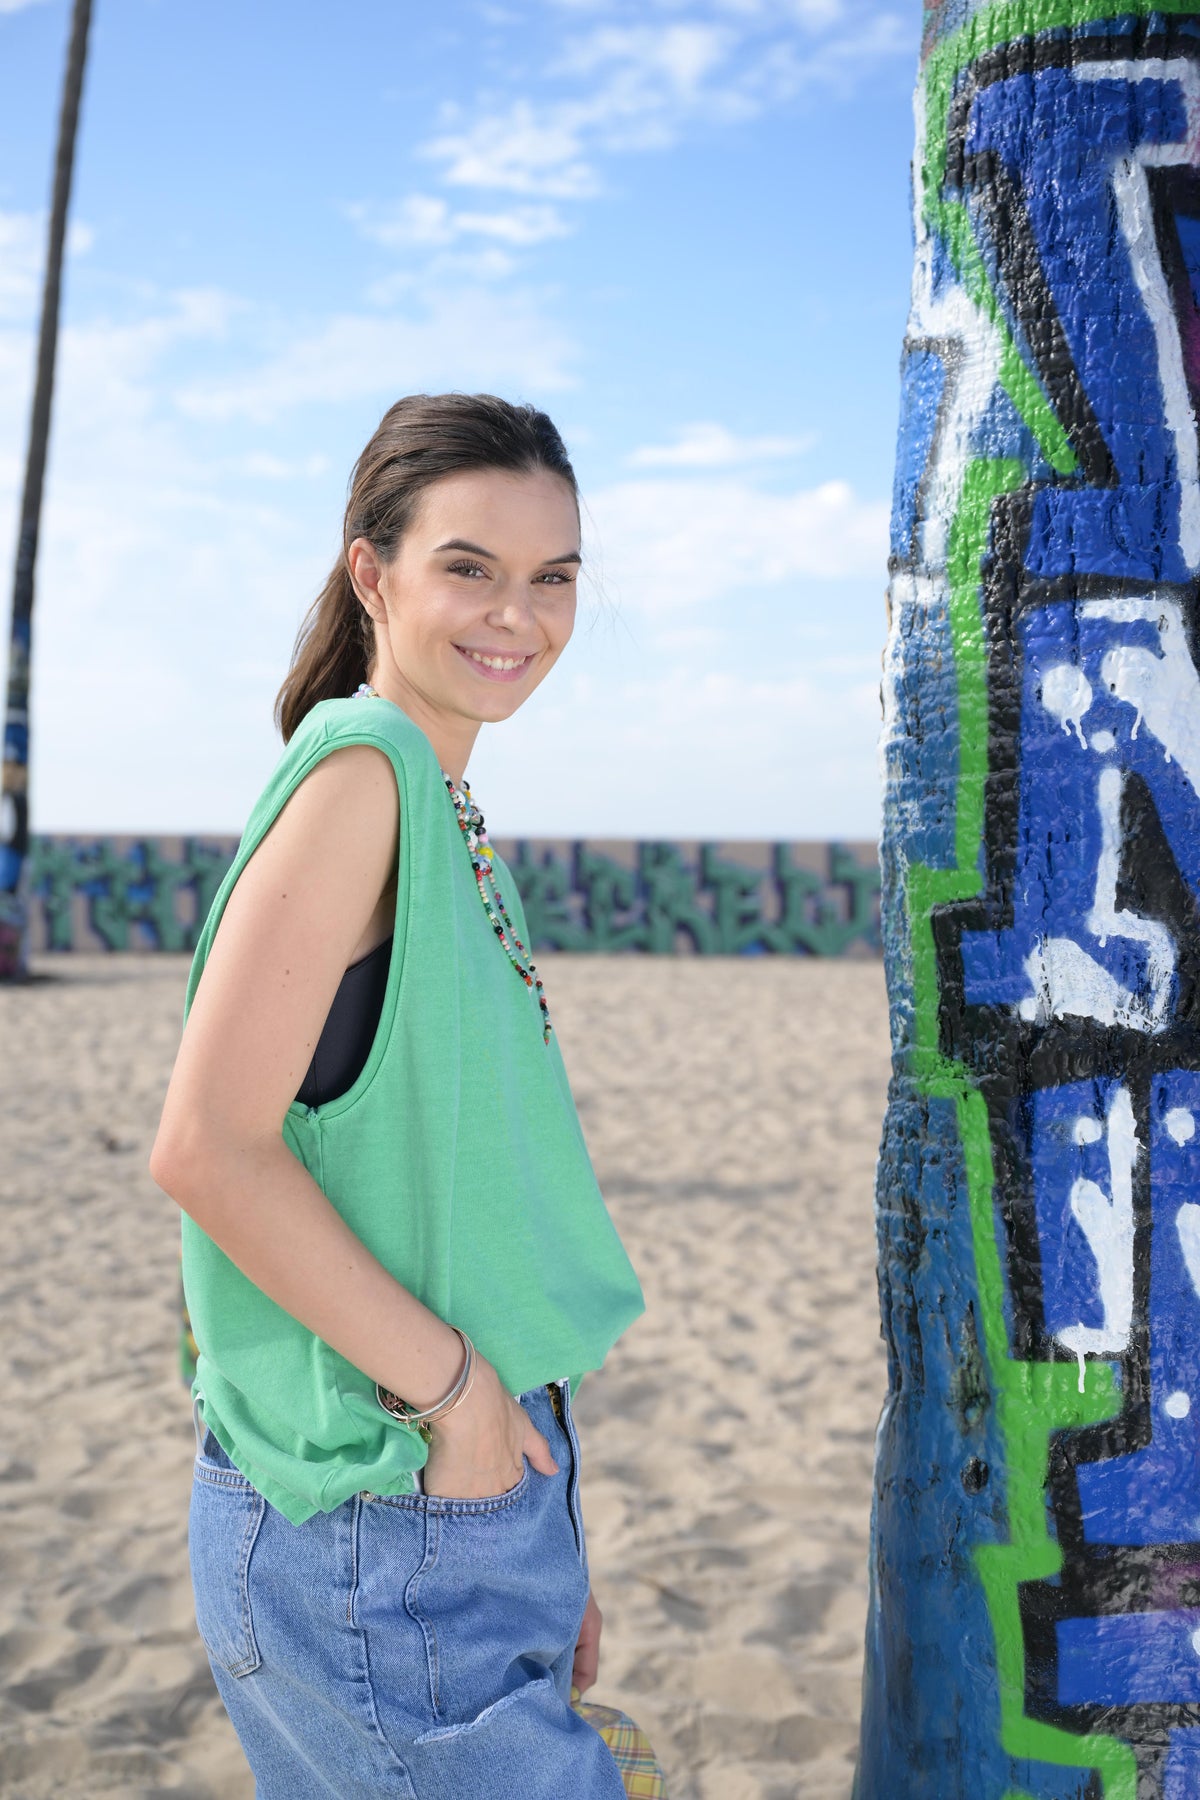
(14, 787)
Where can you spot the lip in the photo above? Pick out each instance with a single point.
(487, 674)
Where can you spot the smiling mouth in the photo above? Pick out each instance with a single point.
(495, 664)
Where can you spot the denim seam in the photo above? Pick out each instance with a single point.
(364, 1647)
(248, 1663)
(428, 1562)
(446, 1506)
(517, 1697)
(229, 1478)
(352, 1596)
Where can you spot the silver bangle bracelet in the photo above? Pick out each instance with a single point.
(423, 1417)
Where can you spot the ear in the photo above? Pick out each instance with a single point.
(365, 572)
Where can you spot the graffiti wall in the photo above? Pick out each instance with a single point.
(1035, 1617)
(743, 899)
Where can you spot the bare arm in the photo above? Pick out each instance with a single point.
(291, 925)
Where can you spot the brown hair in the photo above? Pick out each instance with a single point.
(419, 440)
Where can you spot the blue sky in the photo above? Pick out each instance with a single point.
(681, 226)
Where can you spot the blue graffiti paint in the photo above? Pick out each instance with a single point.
(1071, 942)
(1071, 141)
(1042, 927)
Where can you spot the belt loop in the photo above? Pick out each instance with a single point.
(198, 1424)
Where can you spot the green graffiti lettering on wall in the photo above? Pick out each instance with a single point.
(661, 898)
(123, 893)
(674, 898)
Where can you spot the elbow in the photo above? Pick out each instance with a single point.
(182, 1160)
(204, 1169)
(172, 1166)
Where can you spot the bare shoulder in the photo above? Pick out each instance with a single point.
(346, 811)
(289, 928)
(314, 882)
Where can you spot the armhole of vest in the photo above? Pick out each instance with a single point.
(326, 744)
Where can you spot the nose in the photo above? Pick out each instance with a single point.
(513, 612)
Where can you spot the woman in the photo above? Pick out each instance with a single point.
(397, 1261)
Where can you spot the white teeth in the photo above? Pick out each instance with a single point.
(497, 662)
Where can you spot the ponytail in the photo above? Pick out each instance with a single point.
(332, 653)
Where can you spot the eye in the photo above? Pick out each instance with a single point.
(557, 577)
(466, 568)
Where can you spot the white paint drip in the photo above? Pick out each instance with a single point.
(972, 377)
(1180, 1125)
(1177, 1406)
(1067, 696)
(1107, 1224)
(1164, 690)
(1131, 192)
(1187, 1224)
(1086, 1130)
(1107, 919)
(1102, 742)
(1196, 1642)
(1068, 983)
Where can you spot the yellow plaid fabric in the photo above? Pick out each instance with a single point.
(643, 1778)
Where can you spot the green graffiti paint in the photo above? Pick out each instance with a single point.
(1033, 1400)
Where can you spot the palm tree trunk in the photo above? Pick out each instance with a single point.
(14, 788)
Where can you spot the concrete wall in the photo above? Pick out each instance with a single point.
(153, 893)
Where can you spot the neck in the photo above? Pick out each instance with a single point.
(452, 738)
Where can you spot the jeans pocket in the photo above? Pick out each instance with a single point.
(223, 1525)
(485, 1503)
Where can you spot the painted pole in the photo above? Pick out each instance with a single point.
(1035, 1610)
(14, 778)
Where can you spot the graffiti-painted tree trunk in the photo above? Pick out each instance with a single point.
(1035, 1610)
(14, 780)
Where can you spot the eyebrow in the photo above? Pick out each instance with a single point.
(478, 550)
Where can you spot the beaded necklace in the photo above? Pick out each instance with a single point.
(470, 823)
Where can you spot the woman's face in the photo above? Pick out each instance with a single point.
(478, 603)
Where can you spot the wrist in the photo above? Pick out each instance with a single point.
(461, 1417)
(422, 1384)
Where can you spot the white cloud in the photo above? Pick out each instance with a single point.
(520, 151)
(23, 255)
(162, 579)
(20, 264)
(678, 751)
(683, 54)
(467, 338)
(706, 445)
(12, 6)
(664, 545)
(642, 83)
(260, 465)
(428, 220)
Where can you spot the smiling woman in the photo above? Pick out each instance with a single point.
(398, 1265)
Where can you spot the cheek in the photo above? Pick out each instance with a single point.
(561, 626)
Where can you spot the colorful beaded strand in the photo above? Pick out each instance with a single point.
(470, 823)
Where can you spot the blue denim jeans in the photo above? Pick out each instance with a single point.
(412, 1645)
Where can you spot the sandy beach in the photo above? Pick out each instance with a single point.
(733, 1109)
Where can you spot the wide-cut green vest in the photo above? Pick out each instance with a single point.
(457, 1157)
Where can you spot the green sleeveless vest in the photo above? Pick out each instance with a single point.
(457, 1157)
